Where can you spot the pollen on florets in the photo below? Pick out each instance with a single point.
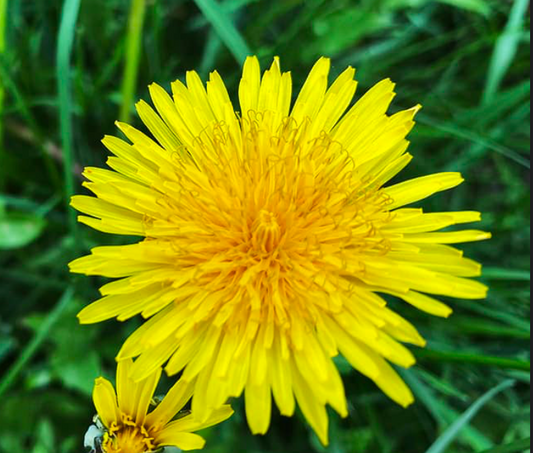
(127, 437)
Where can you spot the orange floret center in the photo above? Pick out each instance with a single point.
(128, 437)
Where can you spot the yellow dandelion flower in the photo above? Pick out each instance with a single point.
(268, 235)
(129, 427)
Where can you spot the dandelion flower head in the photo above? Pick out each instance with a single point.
(129, 425)
(268, 234)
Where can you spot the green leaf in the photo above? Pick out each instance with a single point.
(19, 230)
(444, 441)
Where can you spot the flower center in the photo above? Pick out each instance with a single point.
(265, 232)
(279, 211)
(128, 438)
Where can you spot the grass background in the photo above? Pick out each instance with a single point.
(69, 69)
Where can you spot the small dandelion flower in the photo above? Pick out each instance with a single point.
(127, 426)
(269, 235)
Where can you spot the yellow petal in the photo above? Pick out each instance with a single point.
(208, 390)
(199, 98)
(402, 330)
(258, 402)
(359, 356)
(114, 227)
(122, 306)
(197, 120)
(218, 96)
(313, 409)
(312, 94)
(281, 380)
(190, 343)
(191, 424)
(152, 359)
(423, 223)
(144, 394)
(249, 86)
(448, 264)
(270, 87)
(337, 99)
(167, 109)
(157, 127)
(225, 354)
(204, 355)
(456, 237)
(418, 189)
(427, 304)
(366, 118)
(138, 341)
(125, 386)
(135, 397)
(175, 399)
(175, 438)
(105, 401)
(393, 386)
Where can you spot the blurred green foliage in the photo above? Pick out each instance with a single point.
(466, 61)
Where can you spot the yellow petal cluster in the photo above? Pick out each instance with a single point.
(268, 234)
(130, 426)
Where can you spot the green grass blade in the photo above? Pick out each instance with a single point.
(488, 143)
(496, 273)
(480, 326)
(211, 51)
(516, 447)
(3, 18)
(477, 6)
(444, 441)
(40, 336)
(506, 49)
(133, 52)
(442, 412)
(64, 49)
(222, 24)
(474, 358)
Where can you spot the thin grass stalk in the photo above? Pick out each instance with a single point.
(64, 50)
(3, 21)
(133, 52)
(33, 346)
